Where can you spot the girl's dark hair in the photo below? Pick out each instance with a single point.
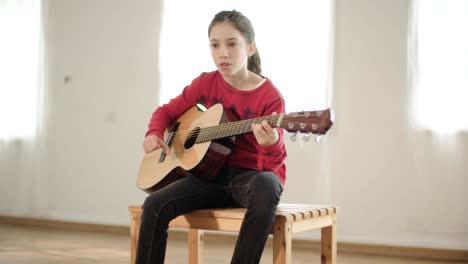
(243, 24)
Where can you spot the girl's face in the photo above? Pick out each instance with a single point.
(229, 50)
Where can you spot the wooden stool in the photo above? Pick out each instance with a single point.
(290, 218)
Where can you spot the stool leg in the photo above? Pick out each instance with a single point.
(195, 246)
(329, 243)
(134, 232)
(282, 242)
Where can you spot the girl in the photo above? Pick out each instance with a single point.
(255, 172)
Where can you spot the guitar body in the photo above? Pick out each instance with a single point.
(181, 161)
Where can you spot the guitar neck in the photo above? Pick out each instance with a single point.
(230, 129)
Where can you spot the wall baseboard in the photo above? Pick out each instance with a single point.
(65, 225)
(348, 247)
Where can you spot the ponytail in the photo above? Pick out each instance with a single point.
(254, 63)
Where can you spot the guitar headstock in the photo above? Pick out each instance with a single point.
(315, 122)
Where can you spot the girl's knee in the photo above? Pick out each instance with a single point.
(153, 204)
(267, 182)
(265, 190)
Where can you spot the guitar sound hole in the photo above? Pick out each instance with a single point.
(192, 138)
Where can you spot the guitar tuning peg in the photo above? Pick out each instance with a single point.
(306, 137)
(317, 138)
(294, 137)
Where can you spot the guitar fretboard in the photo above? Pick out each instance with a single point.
(233, 128)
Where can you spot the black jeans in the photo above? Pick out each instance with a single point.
(258, 191)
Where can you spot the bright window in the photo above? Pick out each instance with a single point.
(19, 61)
(293, 39)
(441, 64)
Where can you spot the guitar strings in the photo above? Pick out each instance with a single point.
(231, 126)
(221, 129)
(214, 130)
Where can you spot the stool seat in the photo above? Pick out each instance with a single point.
(290, 218)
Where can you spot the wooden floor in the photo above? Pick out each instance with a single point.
(21, 245)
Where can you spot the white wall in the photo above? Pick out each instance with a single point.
(85, 161)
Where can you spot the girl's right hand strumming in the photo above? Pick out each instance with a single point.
(153, 142)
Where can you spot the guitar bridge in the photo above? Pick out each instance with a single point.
(169, 141)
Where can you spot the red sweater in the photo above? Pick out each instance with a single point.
(210, 88)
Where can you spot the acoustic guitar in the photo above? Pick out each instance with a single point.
(200, 141)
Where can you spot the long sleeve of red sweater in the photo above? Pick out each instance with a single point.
(165, 115)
